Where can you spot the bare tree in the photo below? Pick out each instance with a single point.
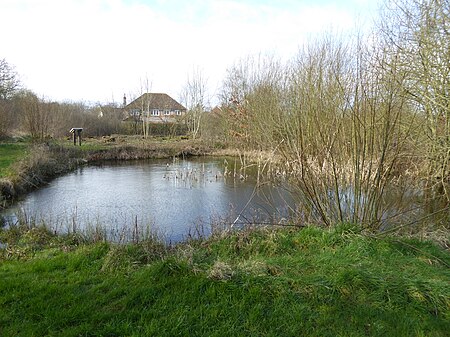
(37, 114)
(237, 86)
(5, 117)
(250, 95)
(145, 87)
(195, 100)
(418, 33)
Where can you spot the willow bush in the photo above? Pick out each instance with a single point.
(361, 124)
(347, 133)
(340, 123)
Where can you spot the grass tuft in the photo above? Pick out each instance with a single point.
(221, 271)
(130, 256)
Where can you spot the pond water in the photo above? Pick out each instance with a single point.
(174, 198)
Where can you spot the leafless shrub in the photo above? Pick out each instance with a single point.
(340, 123)
(417, 32)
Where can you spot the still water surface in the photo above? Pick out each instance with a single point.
(172, 197)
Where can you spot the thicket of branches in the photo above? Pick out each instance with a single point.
(354, 120)
(24, 113)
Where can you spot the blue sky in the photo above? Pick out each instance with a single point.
(97, 50)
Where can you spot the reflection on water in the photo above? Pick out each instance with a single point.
(170, 196)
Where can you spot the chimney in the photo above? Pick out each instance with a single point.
(124, 100)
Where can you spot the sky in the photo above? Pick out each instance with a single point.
(99, 50)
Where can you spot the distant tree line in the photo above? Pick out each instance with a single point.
(23, 112)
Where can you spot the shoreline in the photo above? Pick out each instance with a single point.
(46, 161)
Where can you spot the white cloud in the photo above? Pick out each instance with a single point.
(97, 49)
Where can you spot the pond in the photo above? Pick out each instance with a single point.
(174, 198)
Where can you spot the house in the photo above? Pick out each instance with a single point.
(154, 108)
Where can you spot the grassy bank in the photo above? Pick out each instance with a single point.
(293, 282)
(10, 153)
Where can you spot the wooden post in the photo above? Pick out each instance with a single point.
(76, 133)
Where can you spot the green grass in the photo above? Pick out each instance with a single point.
(88, 144)
(9, 154)
(306, 282)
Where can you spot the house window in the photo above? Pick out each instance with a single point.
(134, 112)
(167, 112)
(155, 112)
(178, 112)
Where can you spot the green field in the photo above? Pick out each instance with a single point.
(9, 154)
(308, 282)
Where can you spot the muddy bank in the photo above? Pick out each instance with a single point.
(157, 151)
(43, 163)
(47, 161)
